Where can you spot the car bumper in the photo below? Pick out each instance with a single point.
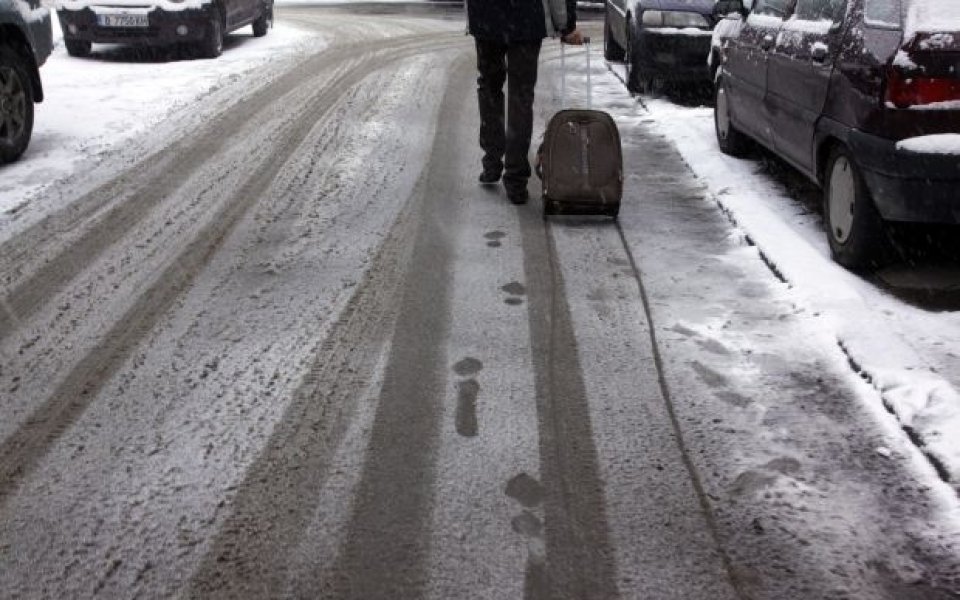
(41, 37)
(909, 186)
(165, 27)
(675, 57)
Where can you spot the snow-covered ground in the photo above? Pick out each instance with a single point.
(906, 353)
(94, 104)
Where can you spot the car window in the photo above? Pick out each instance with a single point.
(821, 10)
(773, 8)
(883, 12)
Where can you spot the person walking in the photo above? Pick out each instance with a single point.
(508, 35)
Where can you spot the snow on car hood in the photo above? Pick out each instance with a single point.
(166, 5)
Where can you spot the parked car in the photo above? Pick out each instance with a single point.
(665, 40)
(200, 23)
(26, 41)
(862, 96)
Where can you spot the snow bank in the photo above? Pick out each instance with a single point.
(875, 331)
(945, 143)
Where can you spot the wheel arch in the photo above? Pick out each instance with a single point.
(221, 10)
(830, 135)
(14, 38)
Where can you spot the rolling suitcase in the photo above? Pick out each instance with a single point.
(580, 162)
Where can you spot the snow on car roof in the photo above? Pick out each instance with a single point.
(930, 16)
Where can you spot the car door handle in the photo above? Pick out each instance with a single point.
(767, 42)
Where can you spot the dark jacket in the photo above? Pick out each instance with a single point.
(517, 21)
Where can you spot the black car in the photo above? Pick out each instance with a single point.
(200, 23)
(861, 96)
(25, 43)
(660, 40)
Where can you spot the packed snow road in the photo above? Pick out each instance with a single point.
(295, 351)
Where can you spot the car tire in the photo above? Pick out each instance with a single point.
(262, 24)
(855, 231)
(78, 48)
(635, 81)
(612, 51)
(16, 105)
(212, 44)
(730, 139)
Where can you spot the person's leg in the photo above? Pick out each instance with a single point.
(492, 72)
(522, 79)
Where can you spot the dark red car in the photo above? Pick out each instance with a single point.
(862, 96)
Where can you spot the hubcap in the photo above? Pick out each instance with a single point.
(13, 105)
(843, 192)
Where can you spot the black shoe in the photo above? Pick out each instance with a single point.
(518, 195)
(490, 176)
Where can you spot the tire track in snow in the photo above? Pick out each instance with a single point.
(259, 544)
(20, 452)
(107, 214)
(580, 560)
(390, 520)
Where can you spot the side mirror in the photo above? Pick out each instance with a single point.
(724, 7)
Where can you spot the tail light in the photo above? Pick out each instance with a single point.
(904, 91)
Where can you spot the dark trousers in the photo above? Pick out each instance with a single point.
(507, 147)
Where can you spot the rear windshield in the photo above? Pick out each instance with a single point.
(927, 16)
(932, 16)
(883, 13)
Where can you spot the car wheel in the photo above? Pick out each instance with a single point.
(263, 22)
(611, 49)
(79, 48)
(855, 230)
(16, 105)
(212, 44)
(730, 139)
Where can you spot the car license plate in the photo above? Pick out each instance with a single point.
(123, 21)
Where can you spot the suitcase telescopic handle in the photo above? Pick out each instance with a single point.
(563, 70)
